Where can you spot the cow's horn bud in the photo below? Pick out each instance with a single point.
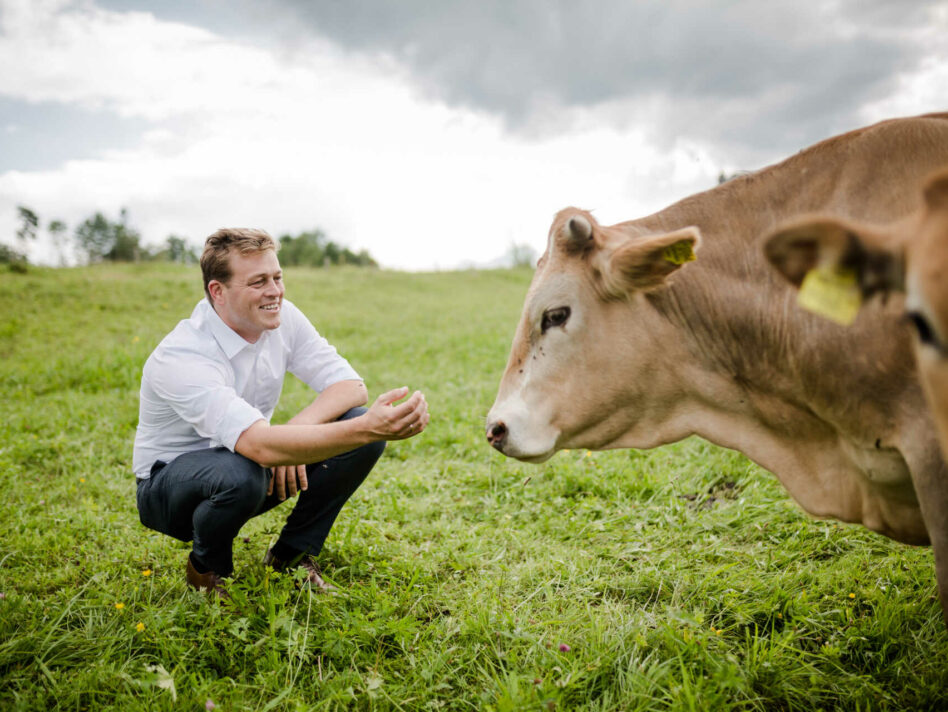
(579, 232)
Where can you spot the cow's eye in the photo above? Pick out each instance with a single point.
(922, 328)
(926, 334)
(554, 317)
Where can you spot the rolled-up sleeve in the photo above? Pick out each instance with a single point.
(203, 396)
(311, 357)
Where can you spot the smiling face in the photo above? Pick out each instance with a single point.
(250, 301)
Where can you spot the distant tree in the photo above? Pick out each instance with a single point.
(725, 177)
(312, 249)
(57, 230)
(332, 254)
(94, 237)
(307, 248)
(9, 256)
(177, 249)
(102, 239)
(126, 246)
(29, 222)
(521, 255)
(364, 259)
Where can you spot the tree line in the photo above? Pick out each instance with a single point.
(99, 239)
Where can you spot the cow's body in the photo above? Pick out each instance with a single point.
(721, 350)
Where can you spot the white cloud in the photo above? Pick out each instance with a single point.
(246, 137)
(244, 134)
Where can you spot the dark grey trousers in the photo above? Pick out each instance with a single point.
(208, 495)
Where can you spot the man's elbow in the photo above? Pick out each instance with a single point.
(264, 459)
(252, 445)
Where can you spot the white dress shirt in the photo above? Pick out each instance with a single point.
(204, 384)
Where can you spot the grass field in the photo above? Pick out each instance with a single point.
(677, 579)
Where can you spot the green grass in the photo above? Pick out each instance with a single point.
(680, 579)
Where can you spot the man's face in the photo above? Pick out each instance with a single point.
(250, 302)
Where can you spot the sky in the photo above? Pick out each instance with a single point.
(435, 135)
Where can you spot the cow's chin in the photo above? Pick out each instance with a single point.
(530, 446)
(533, 459)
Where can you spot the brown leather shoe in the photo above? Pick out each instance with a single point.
(313, 573)
(210, 582)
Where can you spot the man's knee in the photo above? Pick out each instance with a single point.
(374, 450)
(242, 482)
(369, 453)
(353, 413)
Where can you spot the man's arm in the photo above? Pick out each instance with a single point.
(334, 401)
(294, 443)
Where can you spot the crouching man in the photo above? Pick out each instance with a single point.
(206, 457)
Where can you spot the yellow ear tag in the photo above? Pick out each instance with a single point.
(679, 252)
(832, 293)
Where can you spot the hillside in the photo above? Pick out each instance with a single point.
(680, 578)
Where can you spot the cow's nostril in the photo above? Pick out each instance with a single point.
(496, 434)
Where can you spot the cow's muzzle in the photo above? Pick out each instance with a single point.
(497, 434)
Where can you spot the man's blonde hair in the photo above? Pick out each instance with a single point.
(215, 260)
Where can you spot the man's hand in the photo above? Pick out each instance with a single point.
(397, 422)
(287, 477)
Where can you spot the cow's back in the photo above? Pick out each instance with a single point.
(744, 317)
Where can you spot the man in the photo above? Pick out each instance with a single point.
(207, 459)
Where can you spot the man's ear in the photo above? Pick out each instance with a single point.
(644, 263)
(215, 288)
(871, 255)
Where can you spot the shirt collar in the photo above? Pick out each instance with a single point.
(229, 340)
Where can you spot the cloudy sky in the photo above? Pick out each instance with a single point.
(433, 134)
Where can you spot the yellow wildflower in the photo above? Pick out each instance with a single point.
(120, 606)
(140, 626)
(852, 595)
(82, 479)
(146, 572)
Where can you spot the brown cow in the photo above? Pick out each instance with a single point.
(846, 263)
(626, 342)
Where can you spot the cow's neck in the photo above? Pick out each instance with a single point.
(837, 456)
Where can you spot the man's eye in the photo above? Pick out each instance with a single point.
(554, 317)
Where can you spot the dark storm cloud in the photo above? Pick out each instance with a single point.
(766, 75)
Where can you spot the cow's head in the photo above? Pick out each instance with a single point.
(585, 323)
(909, 256)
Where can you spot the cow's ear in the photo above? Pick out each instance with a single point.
(643, 263)
(795, 249)
(871, 256)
